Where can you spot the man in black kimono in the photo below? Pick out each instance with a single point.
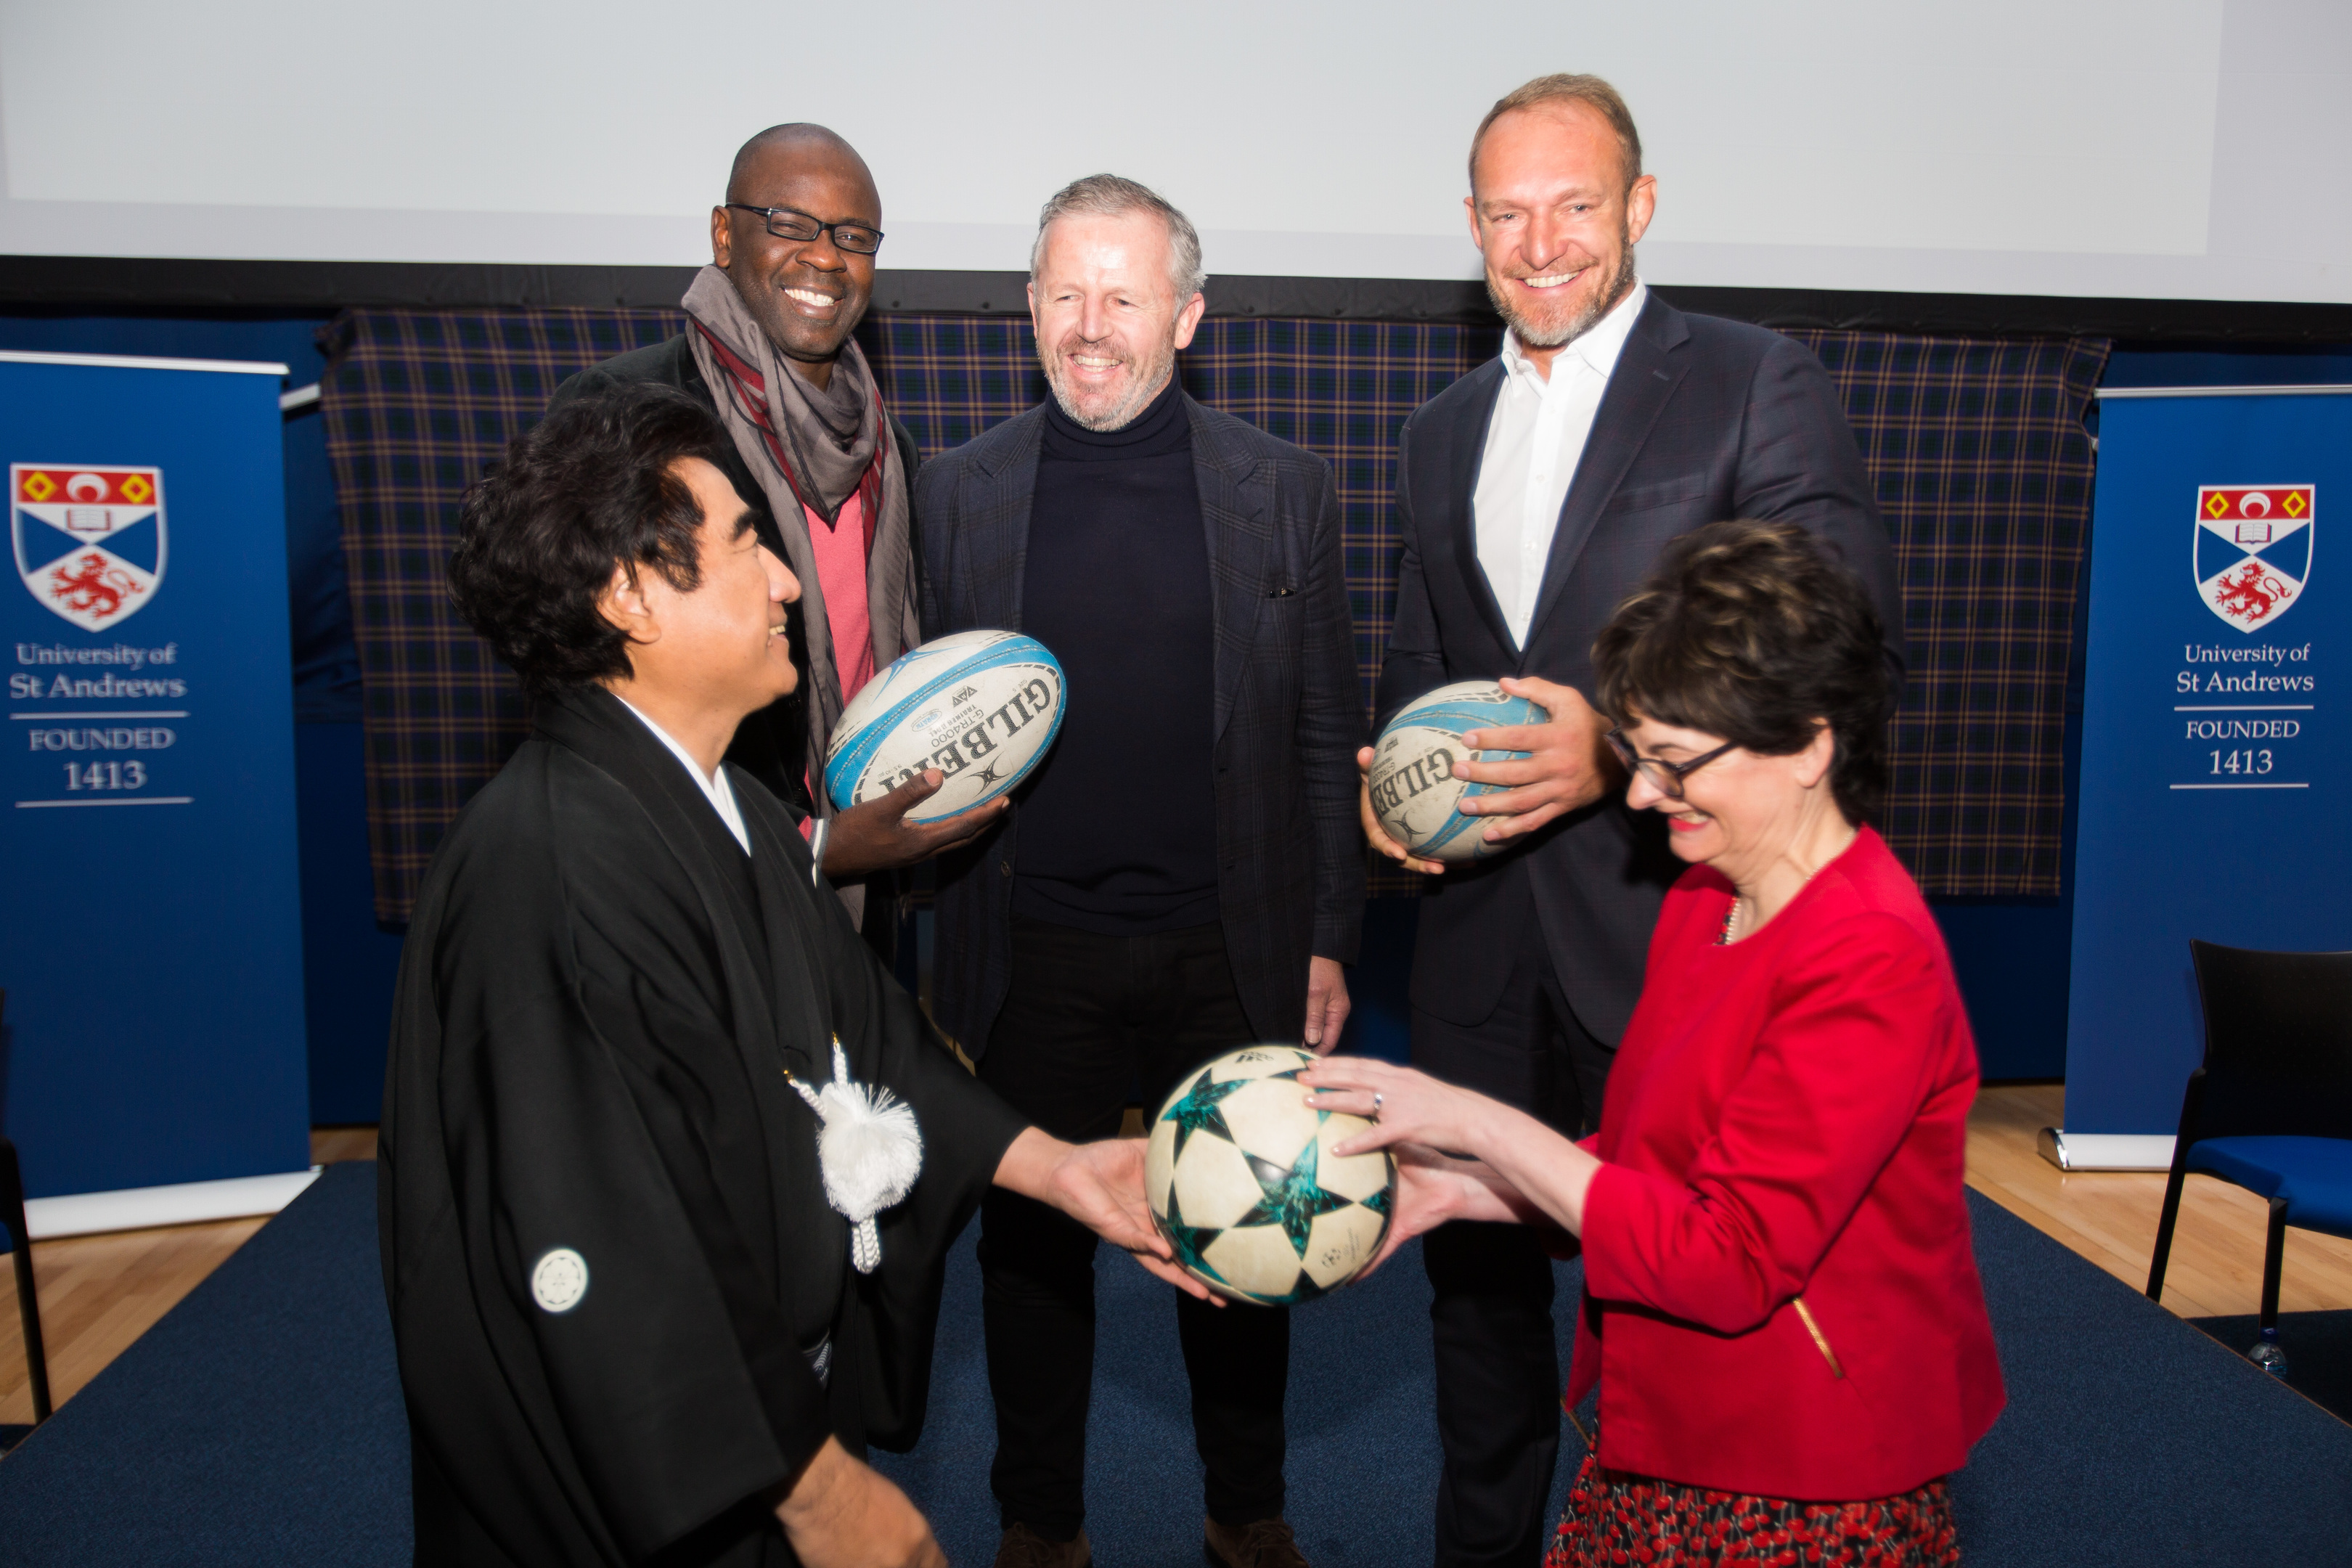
(621, 1277)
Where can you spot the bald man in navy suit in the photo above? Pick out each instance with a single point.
(1534, 494)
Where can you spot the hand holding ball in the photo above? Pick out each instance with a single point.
(982, 707)
(1413, 791)
(1242, 1181)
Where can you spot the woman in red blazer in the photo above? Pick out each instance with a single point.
(1782, 1307)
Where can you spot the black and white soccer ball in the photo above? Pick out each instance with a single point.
(1242, 1181)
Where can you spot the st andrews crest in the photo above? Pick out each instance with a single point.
(2253, 551)
(90, 542)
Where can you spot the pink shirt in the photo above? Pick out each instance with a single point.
(841, 574)
(840, 553)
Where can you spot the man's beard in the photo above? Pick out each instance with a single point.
(1552, 335)
(1147, 377)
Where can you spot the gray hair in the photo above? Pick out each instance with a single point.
(1110, 195)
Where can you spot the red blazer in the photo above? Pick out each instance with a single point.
(1784, 1135)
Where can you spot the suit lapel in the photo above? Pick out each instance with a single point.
(996, 526)
(1237, 503)
(1465, 458)
(1648, 371)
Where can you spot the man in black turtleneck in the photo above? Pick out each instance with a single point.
(1126, 609)
(1181, 875)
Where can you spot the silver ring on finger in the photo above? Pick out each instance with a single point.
(1375, 1105)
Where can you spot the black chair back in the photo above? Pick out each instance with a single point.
(2278, 1044)
(2278, 1063)
(28, 1304)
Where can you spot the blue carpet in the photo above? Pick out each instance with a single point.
(1363, 1440)
(2131, 1438)
(259, 1424)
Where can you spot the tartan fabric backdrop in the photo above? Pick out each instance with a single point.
(1976, 443)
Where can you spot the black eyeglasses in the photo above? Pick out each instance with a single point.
(855, 238)
(1660, 775)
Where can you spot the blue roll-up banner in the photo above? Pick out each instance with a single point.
(2213, 780)
(152, 948)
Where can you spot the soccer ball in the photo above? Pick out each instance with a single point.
(1242, 1181)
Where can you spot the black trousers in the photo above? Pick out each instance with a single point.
(1499, 1372)
(1090, 1022)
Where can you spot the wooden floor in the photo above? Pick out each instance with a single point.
(99, 1293)
(2109, 1217)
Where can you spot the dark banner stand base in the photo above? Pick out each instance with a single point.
(2104, 1151)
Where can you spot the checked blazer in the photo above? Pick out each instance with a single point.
(1288, 711)
(1704, 420)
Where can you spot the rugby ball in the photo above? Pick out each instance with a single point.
(1414, 792)
(979, 706)
(1240, 1175)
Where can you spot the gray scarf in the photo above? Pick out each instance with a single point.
(787, 430)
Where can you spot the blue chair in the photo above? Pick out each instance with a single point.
(2271, 1107)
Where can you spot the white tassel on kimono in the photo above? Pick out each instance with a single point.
(870, 1150)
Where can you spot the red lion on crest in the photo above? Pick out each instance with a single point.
(2253, 592)
(93, 590)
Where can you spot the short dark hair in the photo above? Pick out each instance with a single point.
(591, 486)
(1758, 633)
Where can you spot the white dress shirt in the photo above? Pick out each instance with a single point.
(715, 786)
(1533, 444)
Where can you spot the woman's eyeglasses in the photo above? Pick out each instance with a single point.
(1660, 775)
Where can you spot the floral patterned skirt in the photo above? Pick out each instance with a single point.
(1613, 1517)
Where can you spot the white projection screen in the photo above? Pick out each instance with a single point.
(2147, 149)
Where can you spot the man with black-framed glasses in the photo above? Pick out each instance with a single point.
(829, 472)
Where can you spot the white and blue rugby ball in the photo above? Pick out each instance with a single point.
(980, 706)
(1414, 792)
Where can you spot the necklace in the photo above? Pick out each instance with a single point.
(1731, 915)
